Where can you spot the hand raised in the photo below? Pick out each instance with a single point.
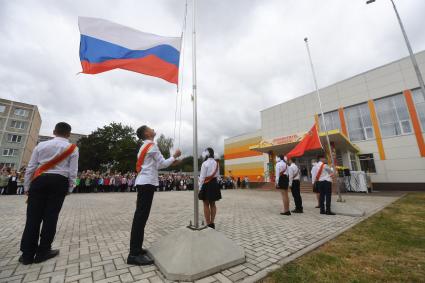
(177, 153)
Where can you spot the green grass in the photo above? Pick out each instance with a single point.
(387, 247)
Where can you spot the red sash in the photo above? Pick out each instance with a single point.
(320, 172)
(209, 178)
(55, 161)
(142, 156)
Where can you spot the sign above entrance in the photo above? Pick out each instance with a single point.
(287, 139)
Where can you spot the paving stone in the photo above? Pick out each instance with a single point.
(94, 230)
(208, 279)
(126, 277)
(238, 276)
(223, 279)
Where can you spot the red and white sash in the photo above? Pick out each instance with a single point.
(209, 178)
(141, 158)
(54, 161)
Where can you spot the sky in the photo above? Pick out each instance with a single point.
(250, 56)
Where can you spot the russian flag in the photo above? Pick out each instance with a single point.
(106, 45)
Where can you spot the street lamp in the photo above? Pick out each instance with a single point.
(412, 56)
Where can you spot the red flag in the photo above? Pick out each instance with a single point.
(309, 142)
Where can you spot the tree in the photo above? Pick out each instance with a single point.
(112, 147)
(164, 144)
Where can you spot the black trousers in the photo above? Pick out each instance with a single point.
(141, 215)
(296, 194)
(45, 199)
(325, 189)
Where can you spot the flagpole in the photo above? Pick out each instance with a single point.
(323, 116)
(195, 123)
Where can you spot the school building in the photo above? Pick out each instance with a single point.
(375, 122)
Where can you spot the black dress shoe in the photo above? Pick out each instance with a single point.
(322, 212)
(26, 260)
(330, 213)
(317, 206)
(297, 211)
(45, 256)
(212, 225)
(286, 213)
(139, 260)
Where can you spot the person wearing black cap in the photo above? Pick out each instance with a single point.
(282, 183)
(49, 177)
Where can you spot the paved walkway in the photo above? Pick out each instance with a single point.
(93, 234)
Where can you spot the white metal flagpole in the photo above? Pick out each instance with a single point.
(323, 116)
(195, 122)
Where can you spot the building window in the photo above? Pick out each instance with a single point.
(10, 152)
(2, 108)
(359, 123)
(21, 112)
(419, 100)
(15, 138)
(332, 121)
(353, 161)
(367, 163)
(17, 124)
(393, 116)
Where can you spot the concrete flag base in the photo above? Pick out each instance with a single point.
(187, 255)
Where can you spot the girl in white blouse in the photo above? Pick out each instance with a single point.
(209, 188)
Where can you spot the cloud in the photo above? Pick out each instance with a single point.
(250, 56)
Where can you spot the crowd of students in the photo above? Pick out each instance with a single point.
(90, 181)
(94, 181)
(11, 181)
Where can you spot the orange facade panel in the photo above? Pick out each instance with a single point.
(415, 122)
(377, 130)
(342, 120)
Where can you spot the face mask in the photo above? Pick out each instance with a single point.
(205, 154)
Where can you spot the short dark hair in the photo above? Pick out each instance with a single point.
(141, 132)
(62, 129)
(320, 156)
(282, 157)
(210, 152)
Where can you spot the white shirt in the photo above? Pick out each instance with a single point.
(207, 169)
(46, 151)
(294, 173)
(281, 167)
(326, 172)
(313, 172)
(152, 163)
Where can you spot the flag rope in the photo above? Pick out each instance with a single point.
(180, 86)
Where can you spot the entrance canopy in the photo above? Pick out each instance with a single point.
(283, 145)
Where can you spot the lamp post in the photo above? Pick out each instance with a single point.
(409, 47)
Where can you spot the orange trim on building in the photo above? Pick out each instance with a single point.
(316, 118)
(375, 124)
(342, 120)
(243, 154)
(239, 149)
(415, 122)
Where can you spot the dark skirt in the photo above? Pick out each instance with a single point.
(316, 187)
(210, 191)
(283, 182)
